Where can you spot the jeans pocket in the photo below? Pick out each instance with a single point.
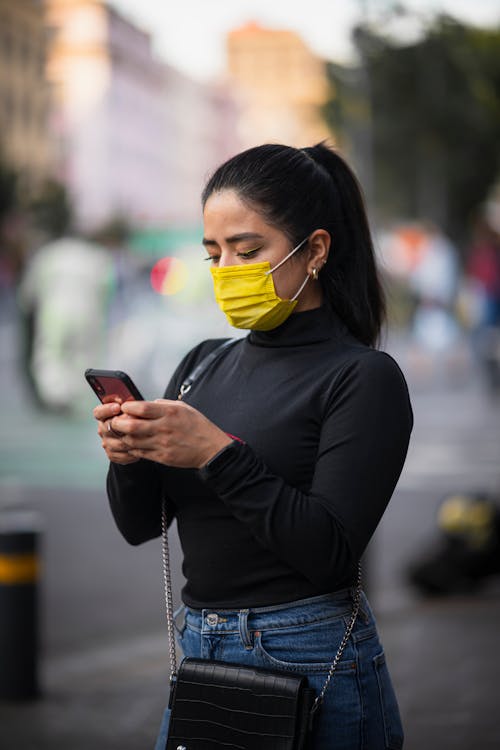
(388, 703)
(179, 629)
(307, 649)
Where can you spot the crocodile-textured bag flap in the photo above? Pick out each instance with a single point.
(219, 705)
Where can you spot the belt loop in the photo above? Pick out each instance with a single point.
(245, 635)
(362, 614)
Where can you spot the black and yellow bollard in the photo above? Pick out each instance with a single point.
(19, 584)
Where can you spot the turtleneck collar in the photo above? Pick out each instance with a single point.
(301, 328)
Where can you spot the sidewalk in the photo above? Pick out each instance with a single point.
(444, 660)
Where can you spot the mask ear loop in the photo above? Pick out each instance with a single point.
(286, 258)
(300, 289)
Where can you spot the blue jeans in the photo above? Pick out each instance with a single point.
(360, 710)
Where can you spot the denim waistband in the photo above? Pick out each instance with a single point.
(302, 611)
(320, 599)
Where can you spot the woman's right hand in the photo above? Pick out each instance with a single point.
(115, 448)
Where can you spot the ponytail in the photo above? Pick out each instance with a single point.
(350, 279)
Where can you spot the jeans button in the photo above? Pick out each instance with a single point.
(212, 619)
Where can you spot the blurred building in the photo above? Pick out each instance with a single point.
(135, 138)
(24, 92)
(282, 85)
(200, 131)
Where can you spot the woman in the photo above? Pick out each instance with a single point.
(280, 461)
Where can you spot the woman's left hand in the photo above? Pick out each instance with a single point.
(169, 432)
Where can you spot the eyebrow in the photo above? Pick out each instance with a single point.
(234, 238)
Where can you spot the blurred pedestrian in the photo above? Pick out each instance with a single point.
(434, 283)
(279, 463)
(63, 296)
(483, 268)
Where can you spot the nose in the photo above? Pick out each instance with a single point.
(228, 258)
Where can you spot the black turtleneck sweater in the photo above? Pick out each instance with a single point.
(287, 514)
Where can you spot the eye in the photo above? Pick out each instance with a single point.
(248, 253)
(213, 258)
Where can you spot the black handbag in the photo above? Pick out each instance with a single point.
(220, 705)
(217, 705)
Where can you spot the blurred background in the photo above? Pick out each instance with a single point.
(112, 116)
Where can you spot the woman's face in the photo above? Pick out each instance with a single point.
(235, 234)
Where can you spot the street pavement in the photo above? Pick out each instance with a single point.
(104, 663)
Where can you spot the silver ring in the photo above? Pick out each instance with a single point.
(111, 431)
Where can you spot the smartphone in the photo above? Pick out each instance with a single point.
(112, 386)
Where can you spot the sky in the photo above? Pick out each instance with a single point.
(190, 34)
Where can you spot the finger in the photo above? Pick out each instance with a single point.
(113, 444)
(105, 430)
(140, 453)
(140, 428)
(150, 409)
(112, 398)
(121, 457)
(109, 427)
(143, 438)
(106, 411)
(114, 451)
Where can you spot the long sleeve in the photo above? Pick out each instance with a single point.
(363, 443)
(136, 491)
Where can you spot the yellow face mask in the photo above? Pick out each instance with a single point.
(247, 297)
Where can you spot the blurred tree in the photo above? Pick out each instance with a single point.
(51, 209)
(114, 233)
(8, 190)
(423, 119)
(11, 245)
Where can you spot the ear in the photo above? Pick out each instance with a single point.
(319, 247)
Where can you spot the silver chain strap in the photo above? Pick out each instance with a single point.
(170, 614)
(167, 579)
(343, 644)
